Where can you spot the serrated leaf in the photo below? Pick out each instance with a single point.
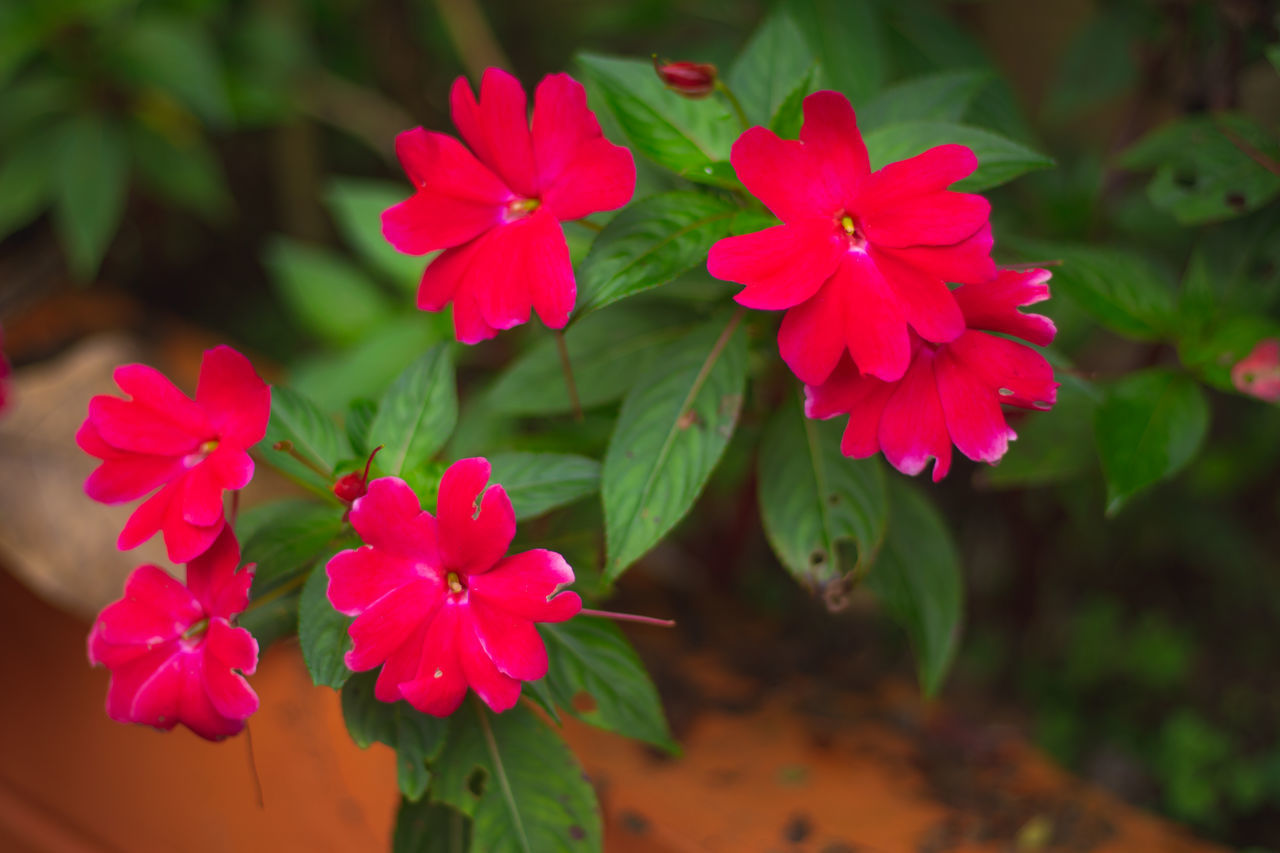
(649, 243)
(608, 351)
(944, 96)
(90, 186)
(314, 435)
(1000, 159)
(775, 60)
(289, 540)
(357, 205)
(812, 498)
(674, 424)
(539, 482)
(427, 827)
(417, 414)
(848, 39)
(682, 135)
(590, 655)
(535, 799)
(329, 297)
(416, 737)
(1148, 428)
(322, 632)
(917, 579)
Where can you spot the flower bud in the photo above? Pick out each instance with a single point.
(1258, 373)
(690, 79)
(348, 487)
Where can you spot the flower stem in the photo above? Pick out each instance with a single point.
(588, 224)
(572, 386)
(253, 767)
(733, 102)
(629, 617)
(286, 446)
(280, 591)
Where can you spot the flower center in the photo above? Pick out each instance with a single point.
(854, 235)
(520, 208)
(201, 453)
(454, 581)
(196, 629)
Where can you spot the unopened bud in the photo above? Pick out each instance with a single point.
(348, 487)
(1258, 373)
(690, 79)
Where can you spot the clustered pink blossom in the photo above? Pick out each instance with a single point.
(496, 209)
(439, 604)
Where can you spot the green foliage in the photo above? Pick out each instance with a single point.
(944, 97)
(1051, 446)
(848, 41)
(322, 632)
(673, 426)
(90, 186)
(1000, 159)
(591, 656)
(813, 499)
(417, 414)
(540, 482)
(329, 297)
(427, 827)
(357, 205)
(314, 435)
(417, 738)
(775, 63)
(290, 537)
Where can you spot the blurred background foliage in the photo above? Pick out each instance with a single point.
(225, 162)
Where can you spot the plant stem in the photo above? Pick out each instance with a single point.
(1248, 149)
(278, 592)
(253, 767)
(572, 386)
(588, 224)
(733, 102)
(629, 617)
(286, 446)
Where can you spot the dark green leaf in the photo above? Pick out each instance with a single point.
(650, 243)
(945, 96)
(788, 118)
(273, 621)
(289, 540)
(1051, 446)
(673, 426)
(322, 632)
(90, 189)
(917, 579)
(27, 175)
(328, 296)
(416, 737)
(175, 55)
(539, 482)
(686, 136)
(535, 799)
(426, 827)
(1148, 428)
(360, 415)
(1097, 66)
(314, 436)
(417, 414)
(357, 205)
(1000, 159)
(812, 498)
(608, 351)
(775, 61)
(848, 41)
(592, 656)
(183, 171)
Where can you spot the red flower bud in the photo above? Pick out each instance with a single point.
(690, 79)
(1258, 373)
(351, 486)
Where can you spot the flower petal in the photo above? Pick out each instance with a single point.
(358, 579)
(124, 477)
(227, 649)
(401, 666)
(200, 495)
(812, 336)
(861, 437)
(152, 389)
(781, 266)
(511, 642)
(524, 261)
(155, 608)
(1020, 375)
(149, 689)
(831, 132)
(236, 399)
(936, 219)
(913, 429)
(926, 173)
(783, 175)
(131, 426)
(472, 542)
(497, 127)
(389, 517)
(927, 303)
(146, 520)
(440, 683)
(601, 176)
(441, 165)
(523, 584)
(183, 540)
(875, 327)
(965, 262)
(196, 709)
(500, 692)
(214, 580)
(972, 410)
(562, 123)
(426, 222)
(385, 625)
(993, 305)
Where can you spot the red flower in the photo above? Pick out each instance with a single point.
(436, 601)
(192, 450)
(1258, 373)
(951, 392)
(496, 212)
(860, 255)
(171, 649)
(691, 79)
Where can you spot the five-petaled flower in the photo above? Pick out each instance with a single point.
(172, 650)
(193, 450)
(952, 392)
(437, 603)
(860, 256)
(496, 210)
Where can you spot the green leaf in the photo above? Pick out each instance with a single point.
(360, 415)
(183, 171)
(27, 173)
(1148, 428)
(848, 39)
(592, 656)
(322, 632)
(812, 498)
(1051, 446)
(416, 737)
(1273, 56)
(314, 435)
(685, 136)
(1206, 169)
(1097, 66)
(289, 540)
(788, 118)
(1000, 159)
(609, 350)
(273, 621)
(539, 482)
(775, 61)
(329, 297)
(651, 242)
(535, 799)
(1119, 288)
(90, 186)
(945, 96)
(357, 205)
(673, 426)
(175, 55)
(426, 827)
(917, 579)
(417, 414)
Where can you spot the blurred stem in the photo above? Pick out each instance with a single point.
(628, 617)
(733, 102)
(589, 225)
(279, 592)
(471, 36)
(286, 446)
(570, 384)
(1247, 148)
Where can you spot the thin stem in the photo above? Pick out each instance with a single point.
(734, 102)
(629, 617)
(253, 767)
(567, 366)
(503, 782)
(1249, 150)
(278, 592)
(588, 224)
(286, 446)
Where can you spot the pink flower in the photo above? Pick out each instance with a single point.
(171, 649)
(436, 601)
(860, 256)
(1258, 373)
(192, 450)
(496, 210)
(952, 392)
